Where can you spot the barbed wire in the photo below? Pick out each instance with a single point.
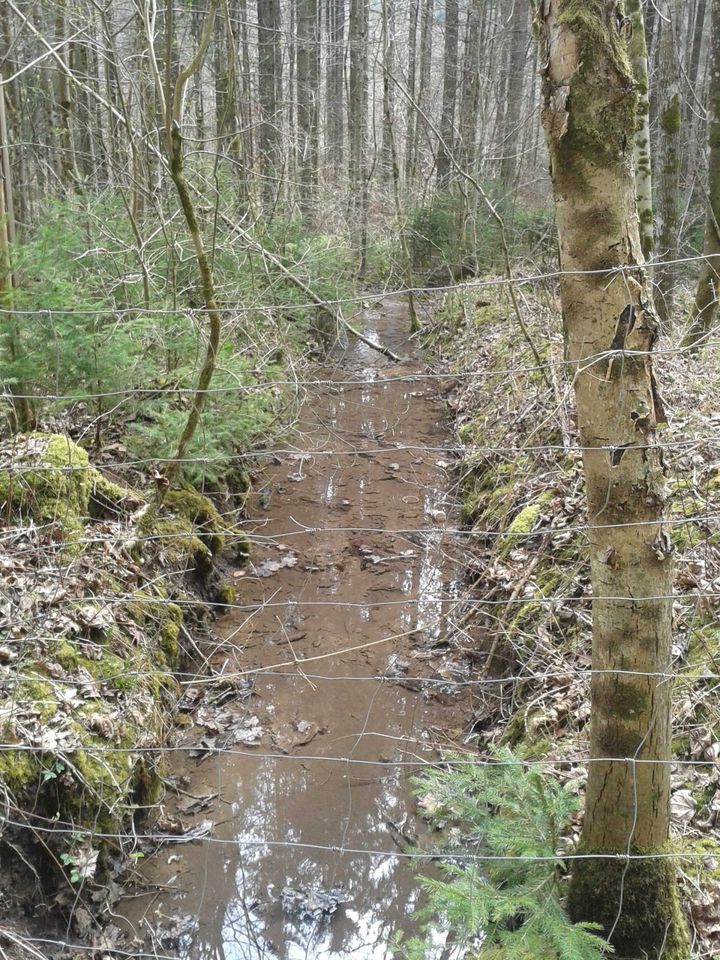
(226, 607)
(340, 382)
(383, 448)
(203, 751)
(566, 674)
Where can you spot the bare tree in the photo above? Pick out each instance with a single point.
(514, 104)
(449, 92)
(668, 162)
(706, 296)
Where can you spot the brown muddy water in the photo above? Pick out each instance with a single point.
(341, 636)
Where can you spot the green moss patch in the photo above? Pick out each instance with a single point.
(88, 691)
(630, 899)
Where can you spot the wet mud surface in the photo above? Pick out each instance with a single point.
(341, 685)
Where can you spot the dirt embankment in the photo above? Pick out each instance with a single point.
(522, 493)
(103, 585)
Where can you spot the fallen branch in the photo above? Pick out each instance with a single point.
(335, 315)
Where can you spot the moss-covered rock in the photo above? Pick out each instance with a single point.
(49, 478)
(172, 541)
(201, 512)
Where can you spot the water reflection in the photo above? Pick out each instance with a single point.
(234, 889)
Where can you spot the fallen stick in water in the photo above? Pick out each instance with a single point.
(335, 315)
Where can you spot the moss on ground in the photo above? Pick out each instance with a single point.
(99, 684)
(49, 478)
(525, 521)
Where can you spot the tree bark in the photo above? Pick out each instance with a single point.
(516, 80)
(422, 94)
(706, 295)
(668, 165)
(357, 120)
(68, 172)
(334, 133)
(643, 167)
(388, 156)
(307, 102)
(411, 117)
(470, 98)
(449, 93)
(269, 94)
(590, 112)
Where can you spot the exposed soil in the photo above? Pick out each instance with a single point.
(344, 685)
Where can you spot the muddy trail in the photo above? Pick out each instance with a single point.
(296, 786)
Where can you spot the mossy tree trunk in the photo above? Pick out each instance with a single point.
(637, 49)
(590, 114)
(705, 305)
(668, 162)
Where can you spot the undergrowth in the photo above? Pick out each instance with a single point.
(117, 332)
(503, 885)
(521, 491)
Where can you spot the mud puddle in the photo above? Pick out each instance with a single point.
(340, 687)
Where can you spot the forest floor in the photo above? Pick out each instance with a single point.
(449, 610)
(521, 490)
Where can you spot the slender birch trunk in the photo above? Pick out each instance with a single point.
(668, 165)
(637, 49)
(706, 296)
(590, 114)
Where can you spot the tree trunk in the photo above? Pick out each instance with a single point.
(516, 80)
(422, 90)
(643, 168)
(590, 111)
(69, 174)
(708, 288)
(307, 94)
(334, 134)
(449, 94)
(269, 82)
(668, 166)
(388, 156)
(177, 79)
(411, 117)
(22, 414)
(357, 118)
(470, 98)
(697, 34)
